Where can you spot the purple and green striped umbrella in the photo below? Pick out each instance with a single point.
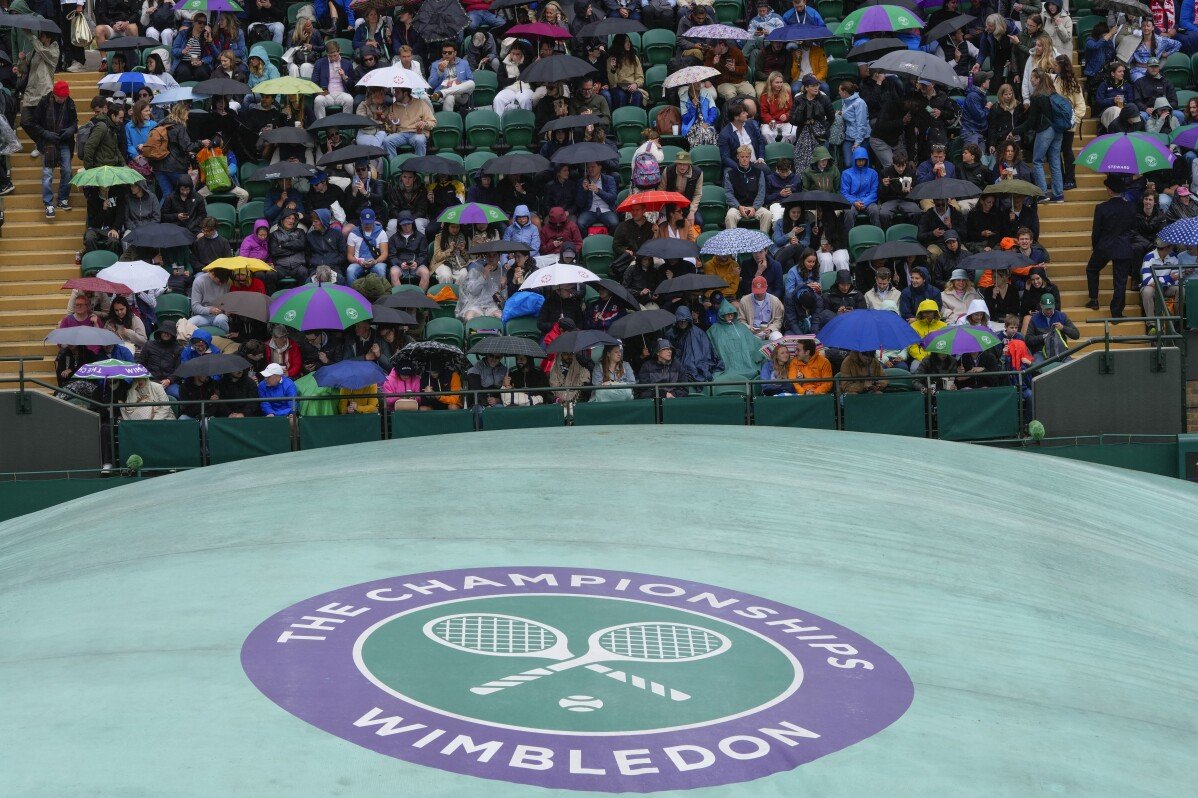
(878, 19)
(1186, 136)
(111, 369)
(1125, 153)
(211, 5)
(472, 213)
(960, 339)
(320, 307)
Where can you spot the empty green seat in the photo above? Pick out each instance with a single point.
(482, 127)
(231, 439)
(226, 219)
(486, 86)
(903, 232)
(474, 161)
(447, 135)
(886, 413)
(250, 213)
(978, 414)
(658, 46)
(161, 444)
(414, 424)
(519, 127)
(636, 411)
(316, 432)
(523, 327)
(655, 77)
(596, 253)
(864, 236)
(447, 330)
(96, 260)
(810, 412)
(628, 122)
(173, 306)
(496, 418)
(704, 410)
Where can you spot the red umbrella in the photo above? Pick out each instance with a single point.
(652, 200)
(97, 284)
(542, 29)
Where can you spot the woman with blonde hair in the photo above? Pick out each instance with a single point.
(307, 47)
(1046, 146)
(995, 43)
(1041, 57)
(776, 103)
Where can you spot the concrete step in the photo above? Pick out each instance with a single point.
(28, 196)
(52, 265)
(1064, 224)
(32, 301)
(1072, 208)
(30, 348)
(37, 216)
(43, 317)
(42, 288)
(29, 331)
(33, 237)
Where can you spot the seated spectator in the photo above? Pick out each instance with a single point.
(126, 324)
(209, 245)
(367, 248)
(741, 131)
(336, 76)
(451, 79)
(693, 348)
(326, 245)
(821, 174)
(241, 387)
(595, 200)
(613, 374)
(935, 222)
(744, 191)
(629, 236)
(488, 373)
(567, 375)
(562, 302)
(957, 296)
(927, 321)
(482, 289)
(146, 401)
(859, 185)
(289, 248)
(896, 183)
(557, 231)
(604, 310)
(409, 253)
(883, 290)
(733, 67)
(140, 208)
(985, 224)
(946, 259)
(919, 289)
(936, 167)
(810, 364)
(277, 392)
(1160, 267)
(319, 348)
(1002, 298)
(842, 298)
(780, 366)
(861, 372)
(207, 289)
(661, 369)
(776, 105)
(444, 379)
(762, 311)
(734, 344)
(160, 355)
(185, 207)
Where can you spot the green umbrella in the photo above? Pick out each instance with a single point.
(1126, 153)
(287, 85)
(320, 307)
(472, 213)
(960, 340)
(878, 19)
(1021, 187)
(105, 176)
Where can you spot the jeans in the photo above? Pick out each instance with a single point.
(418, 142)
(888, 209)
(219, 320)
(355, 270)
(1047, 148)
(621, 97)
(608, 219)
(167, 182)
(489, 19)
(64, 175)
(321, 103)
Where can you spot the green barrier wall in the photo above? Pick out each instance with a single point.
(27, 496)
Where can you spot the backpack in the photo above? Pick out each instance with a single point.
(646, 171)
(158, 144)
(81, 136)
(163, 17)
(668, 118)
(1062, 113)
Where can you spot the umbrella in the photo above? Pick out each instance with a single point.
(137, 274)
(354, 152)
(996, 259)
(944, 188)
(213, 364)
(1130, 7)
(483, 247)
(917, 64)
(652, 201)
(795, 33)
(288, 135)
(131, 82)
(111, 369)
(688, 75)
(178, 94)
(874, 48)
(472, 213)
(320, 307)
(31, 23)
(540, 29)
(286, 170)
(642, 322)
(867, 330)
(393, 77)
(555, 68)
(621, 293)
(498, 4)
(341, 120)
(105, 176)
(408, 299)
(221, 86)
(508, 345)
(129, 43)
(239, 263)
(737, 241)
(211, 5)
(610, 27)
(893, 249)
(878, 19)
(1125, 153)
(911, 4)
(517, 163)
(580, 341)
(558, 274)
(440, 19)
(1013, 186)
(668, 249)
(160, 235)
(287, 85)
(433, 165)
(718, 31)
(690, 282)
(584, 152)
(960, 339)
(948, 26)
(353, 375)
(816, 198)
(98, 285)
(248, 304)
(571, 122)
(430, 352)
(83, 336)
(1183, 232)
(386, 315)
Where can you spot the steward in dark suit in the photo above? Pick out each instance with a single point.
(1111, 240)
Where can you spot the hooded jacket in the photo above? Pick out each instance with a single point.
(735, 344)
(860, 183)
(141, 210)
(254, 247)
(326, 247)
(288, 248)
(924, 328)
(556, 225)
(268, 73)
(161, 354)
(524, 233)
(975, 117)
(103, 145)
(692, 348)
(976, 306)
(189, 352)
(912, 298)
(193, 208)
(654, 372)
(817, 179)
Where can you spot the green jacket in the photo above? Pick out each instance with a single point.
(103, 146)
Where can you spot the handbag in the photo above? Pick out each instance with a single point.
(836, 132)
(83, 27)
(701, 133)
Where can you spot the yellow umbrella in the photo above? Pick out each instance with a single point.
(238, 263)
(287, 85)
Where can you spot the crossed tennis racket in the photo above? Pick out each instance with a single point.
(498, 635)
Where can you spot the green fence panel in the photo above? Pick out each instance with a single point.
(978, 414)
(523, 417)
(811, 412)
(886, 413)
(318, 431)
(704, 410)
(635, 411)
(29, 496)
(161, 444)
(413, 424)
(231, 439)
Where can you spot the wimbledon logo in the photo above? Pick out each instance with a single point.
(576, 678)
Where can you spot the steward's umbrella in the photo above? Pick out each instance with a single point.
(111, 369)
(893, 249)
(386, 315)
(609, 27)
(97, 285)
(333, 121)
(221, 86)
(239, 263)
(137, 274)
(83, 336)
(1014, 186)
(668, 249)
(652, 201)
(130, 43)
(433, 165)
(160, 235)
(867, 330)
(320, 307)
(620, 293)
(690, 282)
(585, 152)
(507, 345)
(212, 364)
(30, 22)
(248, 304)
(285, 170)
(878, 19)
(288, 135)
(555, 69)
(642, 322)
(797, 33)
(688, 75)
(483, 247)
(1183, 232)
(517, 163)
(558, 274)
(737, 241)
(542, 30)
(408, 299)
(440, 19)
(996, 259)
(353, 375)
(875, 48)
(1125, 153)
(287, 85)
(948, 26)
(580, 341)
(571, 122)
(960, 339)
(354, 152)
(917, 64)
(944, 188)
(472, 213)
(106, 176)
(817, 198)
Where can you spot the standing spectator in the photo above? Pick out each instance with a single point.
(856, 122)
(43, 63)
(52, 127)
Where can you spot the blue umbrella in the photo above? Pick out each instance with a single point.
(799, 33)
(1183, 232)
(867, 331)
(350, 374)
(176, 95)
(131, 82)
(736, 241)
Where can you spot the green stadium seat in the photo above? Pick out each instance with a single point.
(523, 327)
(707, 235)
(628, 122)
(475, 160)
(1177, 69)
(626, 156)
(316, 432)
(777, 151)
(256, 188)
(1183, 98)
(886, 413)
(519, 127)
(173, 306)
(729, 12)
(837, 47)
(830, 8)
(250, 213)
(482, 327)
(275, 53)
(496, 418)
(704, 410)
(597, 253)
(657, 45)
(409, 424)
(902, 232)
(447, 330)
(231, 439)
(161, 444)
(447, 135)
(826, 280)
(395, 163)
(1084, 26)
(96, 260)
(655, 77)
(978, 414)
(809, 412)
(482, 127)
(842, 70)
(713, 204)
(706, 158)
(635, 411)
(864, 236)
(486, 86)
(900, 380)
(226, 219)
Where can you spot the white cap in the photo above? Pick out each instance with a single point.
(273, 370)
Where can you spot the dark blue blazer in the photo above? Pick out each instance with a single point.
(320, 74)
(728, 142)
(607, 193)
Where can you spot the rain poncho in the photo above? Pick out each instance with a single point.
(924, 328)
(735, 344)
(692, 349)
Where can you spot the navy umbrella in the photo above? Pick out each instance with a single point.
(352, 375)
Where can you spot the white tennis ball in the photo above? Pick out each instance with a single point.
(580, 703)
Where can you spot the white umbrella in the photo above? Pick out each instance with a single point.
(394, 77)
(558, 274)
(137, 274)
(689, 75)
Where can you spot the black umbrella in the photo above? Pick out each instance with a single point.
(440, 19)
(160, 235)
(996, 259)
(572, 122)
(917, 64)
(381, 314)
(893, 249)
(641, 323)
(83, 336)
(816, 198)
(948, 26)
(408, 299)
(432, 353)
(556, 68)
(288, 135)
(620, 292)
(668, 249)
(29, 22)
(608, 27)
(130, 43)
(1130, 7)
(508, 345)
(585, 152)
(249, 304)
(875, 48)
(211, 365)
(354, 152)
(581, 341)
(690, 282)
(498, 4)
(484, 247)
(433, 165)
(944, 188)
(516, 163)
(221, 86)
(341, 120)
(284, 170)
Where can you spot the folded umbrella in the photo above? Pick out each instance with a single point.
(1014, 186)
(137, 274)
(642, 322)
(581, 341)
(555, 69)
(386, 315)
(221, 86)
(483, 247)
(690, 282)
(558, 274)
(83, 336)
(737, 241)
(867, 330)
(945, 188)
(584, 152)
(129, 43)
(354, 152)
(286, 170)
(517, 163)
(408, 299)
(668, 249)
(213, 364)
(472, 213)
(621, 293)
(336, 121)
(111, 369)
(288, 135)
(893, 249)
(960, 339)
(248, 304)
(353, 375)
(507, 345)
(652, 201)
(433, 165)
(97, 284)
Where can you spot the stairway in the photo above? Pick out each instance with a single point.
(38, 254)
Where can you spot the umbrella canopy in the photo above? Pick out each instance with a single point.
(1183, 232)
(554, 69)
(643, 322)
(518, 163)
(433, 165)
(129, 43)
(948, 26)
(211, 5)
(875, 48)
(944, 188)
(542, 30)
(131, 82)
(960, 339)
(287, 85)
(286, 170)
(354, 152)
(796, 33)
(917, 64)
(1014, 186)
(585, 152)
(668, 249)
(867, 331)
(652, 201)
(1125, 153)
(1132, 8)
(160, 235)
(288, 135)
(483, 247)
(432, 353)
(581, 341)
(893, 249)
(221, 86)
(620, 293)
(111, 369)
(240, 263)
(688, 75)
(211, 365)
(98, 285)
(472, 213)
(386, 315)
(320, 307)
(137, 274)
(690, 282)
(83, 336)
(816, 198)
(408, 299)
(440, 19)
(718, 31)
(394, 77)
(336, 121)
(353, 375)
(30, 22)
(177, 94)
(248, 304)
(737, 241)
(996, 259)
(507, 345)
(878, 19)
(571, 122)
(558, 274)
(106, 176)
(610, 27)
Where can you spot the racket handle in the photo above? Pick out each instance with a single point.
(620, 676)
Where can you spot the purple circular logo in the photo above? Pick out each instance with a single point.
(576, 678)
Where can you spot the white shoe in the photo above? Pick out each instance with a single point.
(76, 67)
(35, 153)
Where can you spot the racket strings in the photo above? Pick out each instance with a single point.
(495, 635)
(660, 641)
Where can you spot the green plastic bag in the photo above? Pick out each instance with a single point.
(215, 169)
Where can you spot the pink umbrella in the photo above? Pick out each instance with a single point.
(542, 29)
(97, 284)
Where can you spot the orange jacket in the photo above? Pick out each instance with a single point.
(817, 366)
